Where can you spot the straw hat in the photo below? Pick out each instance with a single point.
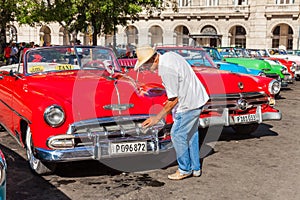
(143, 53)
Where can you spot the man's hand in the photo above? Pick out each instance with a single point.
(150, 121)
(169, 105)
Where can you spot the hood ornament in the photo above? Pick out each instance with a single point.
(118, 107)
(241, 85)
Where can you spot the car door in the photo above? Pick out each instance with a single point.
(6, 90)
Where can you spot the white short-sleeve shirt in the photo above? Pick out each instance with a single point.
(181, 81)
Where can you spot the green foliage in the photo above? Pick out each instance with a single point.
(77, 15)
(8, 12)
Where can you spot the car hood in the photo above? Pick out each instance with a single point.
(218, 82)
(251, 63)
(93, 94)
(232, 67)
(289, 57)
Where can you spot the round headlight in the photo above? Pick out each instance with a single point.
(262, 74)
(54, 116)
(293, 68)
(284, 70)
(274, 87)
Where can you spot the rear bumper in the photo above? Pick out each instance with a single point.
(227, 120)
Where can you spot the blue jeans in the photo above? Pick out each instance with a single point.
(185, 138)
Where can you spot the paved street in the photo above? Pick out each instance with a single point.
(264, 165)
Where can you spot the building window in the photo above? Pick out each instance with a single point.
(212, 2)
(285, 1)
(240, 30)
(238, 36)
(290, 44)
(240, 42)
(181, 34)
(182, 3)
(131, 35)
(275, 43)
(156, 35)
(240, 2)
(276, 30)
(290, 31)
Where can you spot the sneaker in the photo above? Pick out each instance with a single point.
(197, 173)
(178, 176)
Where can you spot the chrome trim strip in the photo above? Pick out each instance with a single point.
(87, 153)
(227, 120)
(14, 111)
(268, 116)
(237, 95)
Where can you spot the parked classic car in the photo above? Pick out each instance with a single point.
(236, 100)
(69, 107)
(288, 76)
(232, 67)
(261, 54)
(3, 168)
(291, 65)
(281, 53)
(272, 71)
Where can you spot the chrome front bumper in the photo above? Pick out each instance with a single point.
(97, 139)
(288, 78)
(95, 152)
(226, 120)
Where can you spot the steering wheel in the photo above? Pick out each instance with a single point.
(98, 65)
(94, 64)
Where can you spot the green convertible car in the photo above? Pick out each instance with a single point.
(271, 70)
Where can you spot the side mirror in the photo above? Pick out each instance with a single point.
(11, 73)
(14, 74)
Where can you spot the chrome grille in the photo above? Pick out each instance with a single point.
(274, 76)
(124, 128)
(230, 101)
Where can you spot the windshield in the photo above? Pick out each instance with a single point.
(63, 58)
(241, 52)
(227, 52)
(195, 57)
(213, 53)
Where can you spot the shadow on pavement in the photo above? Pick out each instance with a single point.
(214, 134)
(23, 184)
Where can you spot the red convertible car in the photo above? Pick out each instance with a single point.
(64, 105)
(237, 100)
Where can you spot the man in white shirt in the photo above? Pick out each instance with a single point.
(186, 92)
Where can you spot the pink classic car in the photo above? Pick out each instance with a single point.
(72, 105)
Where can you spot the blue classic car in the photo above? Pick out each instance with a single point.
(2, 177)
(235, 68)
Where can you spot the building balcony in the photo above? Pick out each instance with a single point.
(198, 12)
(288, 10)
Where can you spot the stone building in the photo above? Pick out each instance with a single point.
(243, 23)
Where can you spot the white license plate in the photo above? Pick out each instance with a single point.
(245, 118)
(128, 147)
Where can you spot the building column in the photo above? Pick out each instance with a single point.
(168, 37)
(144, 37)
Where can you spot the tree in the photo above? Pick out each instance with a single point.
(8, 12)
(78, 15)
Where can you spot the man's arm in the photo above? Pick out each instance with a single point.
(171, 103)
